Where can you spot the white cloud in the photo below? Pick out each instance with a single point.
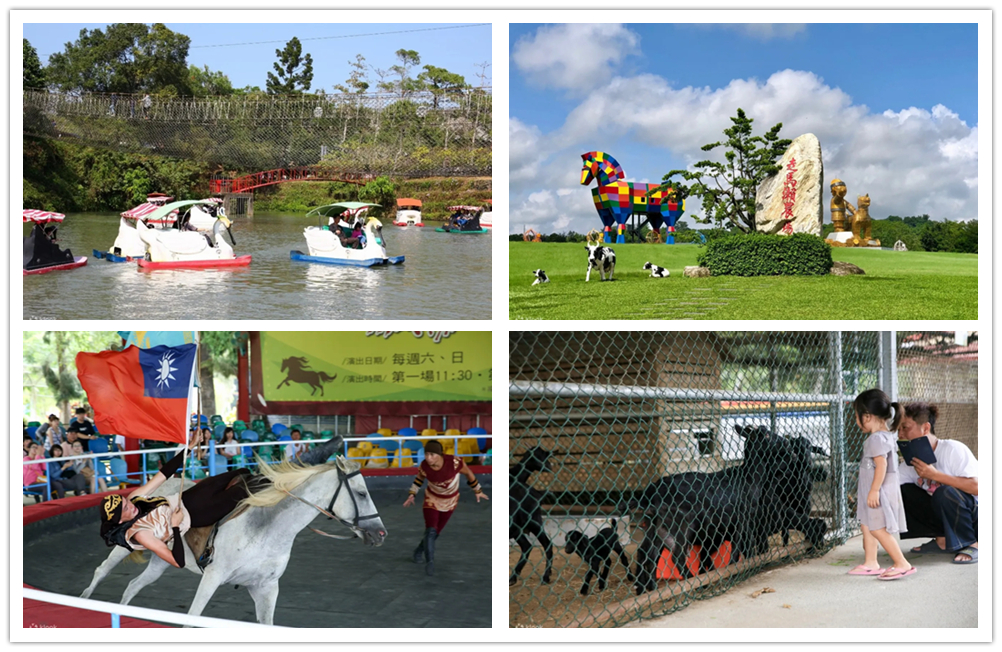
(911, 161)
(574, 57)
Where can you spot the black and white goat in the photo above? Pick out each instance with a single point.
(601, 258)
(656, 272)
(541, 277)
(525, 514)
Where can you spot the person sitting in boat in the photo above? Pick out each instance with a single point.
(346, 242)
(144, 522)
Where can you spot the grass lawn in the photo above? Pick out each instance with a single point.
(897, 285)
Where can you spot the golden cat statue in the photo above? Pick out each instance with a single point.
(861, 224)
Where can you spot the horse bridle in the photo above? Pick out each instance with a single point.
(329, 512)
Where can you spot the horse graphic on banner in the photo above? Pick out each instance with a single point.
(298, 371)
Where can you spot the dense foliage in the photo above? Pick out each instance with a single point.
(760, 254)
(71, 178)
(123, 58)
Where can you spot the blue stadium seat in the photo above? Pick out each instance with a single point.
(407, 432)
(249, 435)
(481, 441)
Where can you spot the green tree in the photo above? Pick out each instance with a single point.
(916, 220)
(33, 76)
(935, 236)
(728, 188)
(208, 83)
(441, 82)
(404, 84)
(294, 70)
(49, 363)
(217, 356)
(966, 240)
(358, 80)
(123, 58)
(379, 191)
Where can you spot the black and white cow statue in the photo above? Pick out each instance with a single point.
(601, 258)
(656, 272)
(541, 277)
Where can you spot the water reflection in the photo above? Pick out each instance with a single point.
(273, 286)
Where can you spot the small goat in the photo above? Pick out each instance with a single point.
(595, 551)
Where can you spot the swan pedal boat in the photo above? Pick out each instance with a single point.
(128, 246)
(41, 252)
(178, 247)
(324, 247)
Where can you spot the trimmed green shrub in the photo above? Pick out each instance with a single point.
(759, 254)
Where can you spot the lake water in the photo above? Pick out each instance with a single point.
(444, 277)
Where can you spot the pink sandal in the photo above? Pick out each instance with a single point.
(863, 570)
(893, 573)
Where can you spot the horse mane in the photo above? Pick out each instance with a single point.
(286, 476)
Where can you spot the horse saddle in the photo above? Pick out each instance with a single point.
(200, 539)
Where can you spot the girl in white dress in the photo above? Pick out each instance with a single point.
(879, 507)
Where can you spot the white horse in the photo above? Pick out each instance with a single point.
(253, 549)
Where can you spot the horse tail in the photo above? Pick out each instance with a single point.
(324, 377)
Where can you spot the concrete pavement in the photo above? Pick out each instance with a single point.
(819, 593)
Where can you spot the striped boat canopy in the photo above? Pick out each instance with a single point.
(145, 209)
(32, 215)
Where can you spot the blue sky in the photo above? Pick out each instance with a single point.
(458, 50)
(895, 107)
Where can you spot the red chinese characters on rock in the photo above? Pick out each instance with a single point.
(789, 195)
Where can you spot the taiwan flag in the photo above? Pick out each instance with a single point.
(140, 393)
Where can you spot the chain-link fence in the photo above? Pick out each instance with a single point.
(422, 134)
(941, 367)
(649, 469)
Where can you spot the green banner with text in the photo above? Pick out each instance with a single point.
(376, 365)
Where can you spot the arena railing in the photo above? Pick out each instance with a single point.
(116, 611)
(210, 459)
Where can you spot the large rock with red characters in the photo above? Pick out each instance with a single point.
(791, 200)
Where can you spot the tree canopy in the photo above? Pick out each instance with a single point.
(358, 79)
(123, 58)
(208, 83)
(32, 74)
(293, 70)
(404, 84)
(441, 82)
(728, 188)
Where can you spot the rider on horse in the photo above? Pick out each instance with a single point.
(144, 522)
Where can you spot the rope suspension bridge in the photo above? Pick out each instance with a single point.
(356, 136)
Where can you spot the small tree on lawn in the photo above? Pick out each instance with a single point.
(728, 188)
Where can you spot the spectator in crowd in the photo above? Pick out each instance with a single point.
(83, 478)
(28, 441)
(59, 472)
(294, 450)
(32, 472)
(229, 447)
(51, 434)
(84, 428)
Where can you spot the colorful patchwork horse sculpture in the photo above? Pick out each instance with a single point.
(615, 199)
